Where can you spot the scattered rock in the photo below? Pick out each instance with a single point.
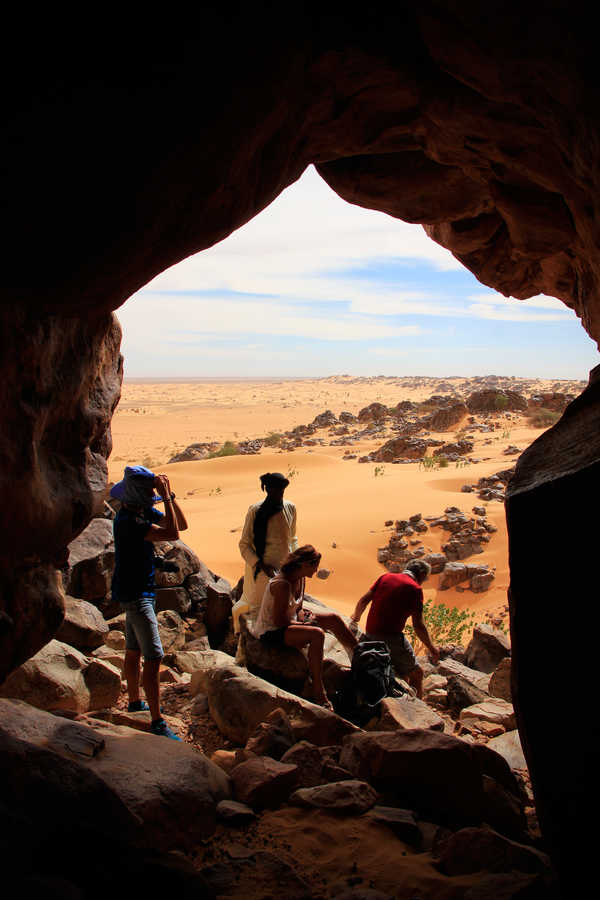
(453, 573)
(316, 765)
(273, 737)
(463, 693)
(349, 797)
(401, 821)
(263, 782)
(492, 709)
(234, 813)
(91, 565)
(175, 598)
(500, 681)
(60, 677)
(84, 627)
(405, 712)
(487, 648)
(508, 745)
(172, 630)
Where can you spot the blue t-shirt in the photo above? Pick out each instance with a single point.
(133, 577)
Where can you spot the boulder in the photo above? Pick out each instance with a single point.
(500, 685)
(91, 565)
(273, 737)
(481, 582)
(449, 666)
(325, 419)
(476, 849)
(175, 598)
(494, 710)
(192, 660)
(263, 782)
(167, 788)
(183, 557)
(374, 412)
(316, 765)
(401, 448)
(437, 561)
(487, 648)
(435, 774)
(172, 630)
(446, 418)
(114, 657)
(348, 797)
(60, 677)
(508, 745)
(454, 448)
(83, 627)
(115, 640)
(286, 667)
(494, 400)
(233, 813)
(218, 610)
(462, 693)
(238, 701)
(454, 573)
(405, 712)
(401, 821)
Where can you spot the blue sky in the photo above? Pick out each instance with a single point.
(313, 286)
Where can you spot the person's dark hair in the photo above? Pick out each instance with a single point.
(419, 568)
(293, 561)
(271, 480)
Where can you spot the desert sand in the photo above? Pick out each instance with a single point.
(342, 505)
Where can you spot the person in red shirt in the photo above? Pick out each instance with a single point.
(394, 598)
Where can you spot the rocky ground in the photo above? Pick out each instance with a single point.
(428, 798)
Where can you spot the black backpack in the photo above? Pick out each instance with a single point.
(371, 679)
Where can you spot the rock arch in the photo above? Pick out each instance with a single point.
(135, 146)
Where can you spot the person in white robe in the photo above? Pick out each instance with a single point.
(269, 534)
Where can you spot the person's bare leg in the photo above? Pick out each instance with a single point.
(151, 682)
(336, 625)
(131, 671)
(415, 679)
(300, 636)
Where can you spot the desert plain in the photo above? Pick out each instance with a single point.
(342, 505)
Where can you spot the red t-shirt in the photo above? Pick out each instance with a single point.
(395, 597)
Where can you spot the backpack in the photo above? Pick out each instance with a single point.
(371, 679)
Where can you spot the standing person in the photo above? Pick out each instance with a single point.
(282, 620)
(269, 534)
(393, 598)
(137, 526)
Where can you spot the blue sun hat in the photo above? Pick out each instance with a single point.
(135, 488)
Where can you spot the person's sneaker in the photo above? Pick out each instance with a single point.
(160, 727)
(138, 706)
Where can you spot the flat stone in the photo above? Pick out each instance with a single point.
(509, 746)
(233, 813)
(349, 797)
(406, 712)
(492, 710)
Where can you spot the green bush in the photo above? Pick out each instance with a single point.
(501, 402)
(227, 449)
(543, 418)
(273, 439)
(445, 624)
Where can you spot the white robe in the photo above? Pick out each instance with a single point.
(280, 540)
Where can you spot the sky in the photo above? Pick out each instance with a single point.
(314, 286)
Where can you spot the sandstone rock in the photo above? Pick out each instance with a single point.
(233, 813)
(114, 657)
(493, 709)
(509, 746)
(400, 821)
(284, 666)
(83, 627)
(481, 582)
(496, 401)
(273, 737)
(115, 640)
(117, 623)
(404, 713)
(348, 797)
(218, 610)
(446, 418)
(325, 419)
(453, 573)
(175, 598)
(238, 701)
(475, 849)
(91, 565)
(140, 721)
(487, 647)
(183, 557)
(190, 660)
(500, 681)
(171, 789)
(437, 561)
(316, 765)
(60, 677)
(375, 412)
(401, 447)
(463, 693)
(172, 630)
(454, 448)
(263, 782)
(433, 773)
(449, 666)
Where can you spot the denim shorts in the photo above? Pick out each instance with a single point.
(141, 628)
(401, 651)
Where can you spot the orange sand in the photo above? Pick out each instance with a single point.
(338, 502)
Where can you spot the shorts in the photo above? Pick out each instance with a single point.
(141, 628)
(401, 652)
(275, 637)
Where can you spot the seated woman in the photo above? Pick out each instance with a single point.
(282, 621)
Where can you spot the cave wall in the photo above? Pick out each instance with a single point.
(127, 148)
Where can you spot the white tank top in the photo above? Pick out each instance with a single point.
(264, 621)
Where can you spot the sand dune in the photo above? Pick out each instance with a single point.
(339, 502)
